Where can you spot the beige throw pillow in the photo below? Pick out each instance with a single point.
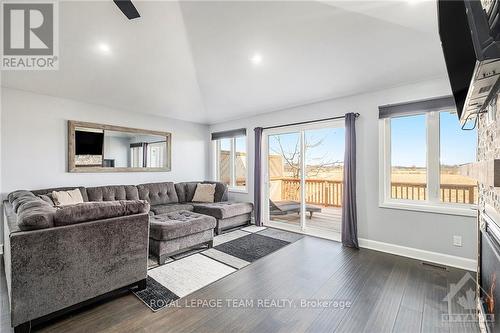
(204, 193)
(67, 198)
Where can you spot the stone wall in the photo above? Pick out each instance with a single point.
(489, 149)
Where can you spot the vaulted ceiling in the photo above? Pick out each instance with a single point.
(213, 61)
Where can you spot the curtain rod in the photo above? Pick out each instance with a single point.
(308, 122)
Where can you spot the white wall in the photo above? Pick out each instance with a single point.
(424, 231)
(34, 143)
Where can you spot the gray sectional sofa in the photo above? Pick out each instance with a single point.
(58, 259)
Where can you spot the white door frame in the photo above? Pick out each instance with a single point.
(299, 129)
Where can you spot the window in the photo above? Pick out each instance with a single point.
(240, 162)
(231, 159)
(224, 161)
(408, 166)
(457, 147)
(421, 155)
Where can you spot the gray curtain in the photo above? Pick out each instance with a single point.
(257, 175)
(349, 213)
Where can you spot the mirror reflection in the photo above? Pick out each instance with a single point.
(119, 148)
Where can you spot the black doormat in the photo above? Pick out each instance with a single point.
(155, 296)
(251, 247)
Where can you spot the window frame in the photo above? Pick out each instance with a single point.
(232, 165)
(432, 204)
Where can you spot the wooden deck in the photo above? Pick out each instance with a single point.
(329, 219)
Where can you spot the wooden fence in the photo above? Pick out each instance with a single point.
(329, 192)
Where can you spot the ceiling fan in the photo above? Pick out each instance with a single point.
(128, 8)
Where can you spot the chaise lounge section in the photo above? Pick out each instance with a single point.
(229, 215)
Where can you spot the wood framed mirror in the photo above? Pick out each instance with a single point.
(106, 148)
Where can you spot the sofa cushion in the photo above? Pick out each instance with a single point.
(179, 224)
(67, 198)
(186, 190)
(158, 193)
(35, 203)
(48, 191)
(180, 189)
(92, 211)
(19, 201)
(169, 208)
(223, 210)
(36, 216)
(189, 188)
(18, 194)
(204, 193)
(113, 193)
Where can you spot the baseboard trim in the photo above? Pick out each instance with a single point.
(438, 258)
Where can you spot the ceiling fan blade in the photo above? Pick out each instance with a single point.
(128, 8)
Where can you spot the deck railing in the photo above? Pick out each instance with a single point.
(454, 193)
(329, 192)
(318, 191)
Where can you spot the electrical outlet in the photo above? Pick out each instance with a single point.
(457, 240)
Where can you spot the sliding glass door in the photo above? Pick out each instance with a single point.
(304, 177)
(324, 176)
(284, 172)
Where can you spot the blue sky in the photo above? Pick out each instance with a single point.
(408, 142)
(329, 148)
(457, 146)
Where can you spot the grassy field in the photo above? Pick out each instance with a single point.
(409, 177)
(449, 175)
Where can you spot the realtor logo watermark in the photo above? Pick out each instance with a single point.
(30, 36)
(462, 302)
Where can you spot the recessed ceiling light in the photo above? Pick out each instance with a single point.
(256, 59)
(104, 48)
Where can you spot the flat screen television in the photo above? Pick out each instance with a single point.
(470, 38)
(88, 143)
(458, 49)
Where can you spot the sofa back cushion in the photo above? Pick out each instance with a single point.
(17, 198)
(113, 193)
(186, 190)
(93, 211)
(158, 193)
(32, 212)
(48, 191)
(18, 194)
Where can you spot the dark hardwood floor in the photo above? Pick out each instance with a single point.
(387, 293)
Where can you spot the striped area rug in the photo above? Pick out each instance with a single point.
(185, 273)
